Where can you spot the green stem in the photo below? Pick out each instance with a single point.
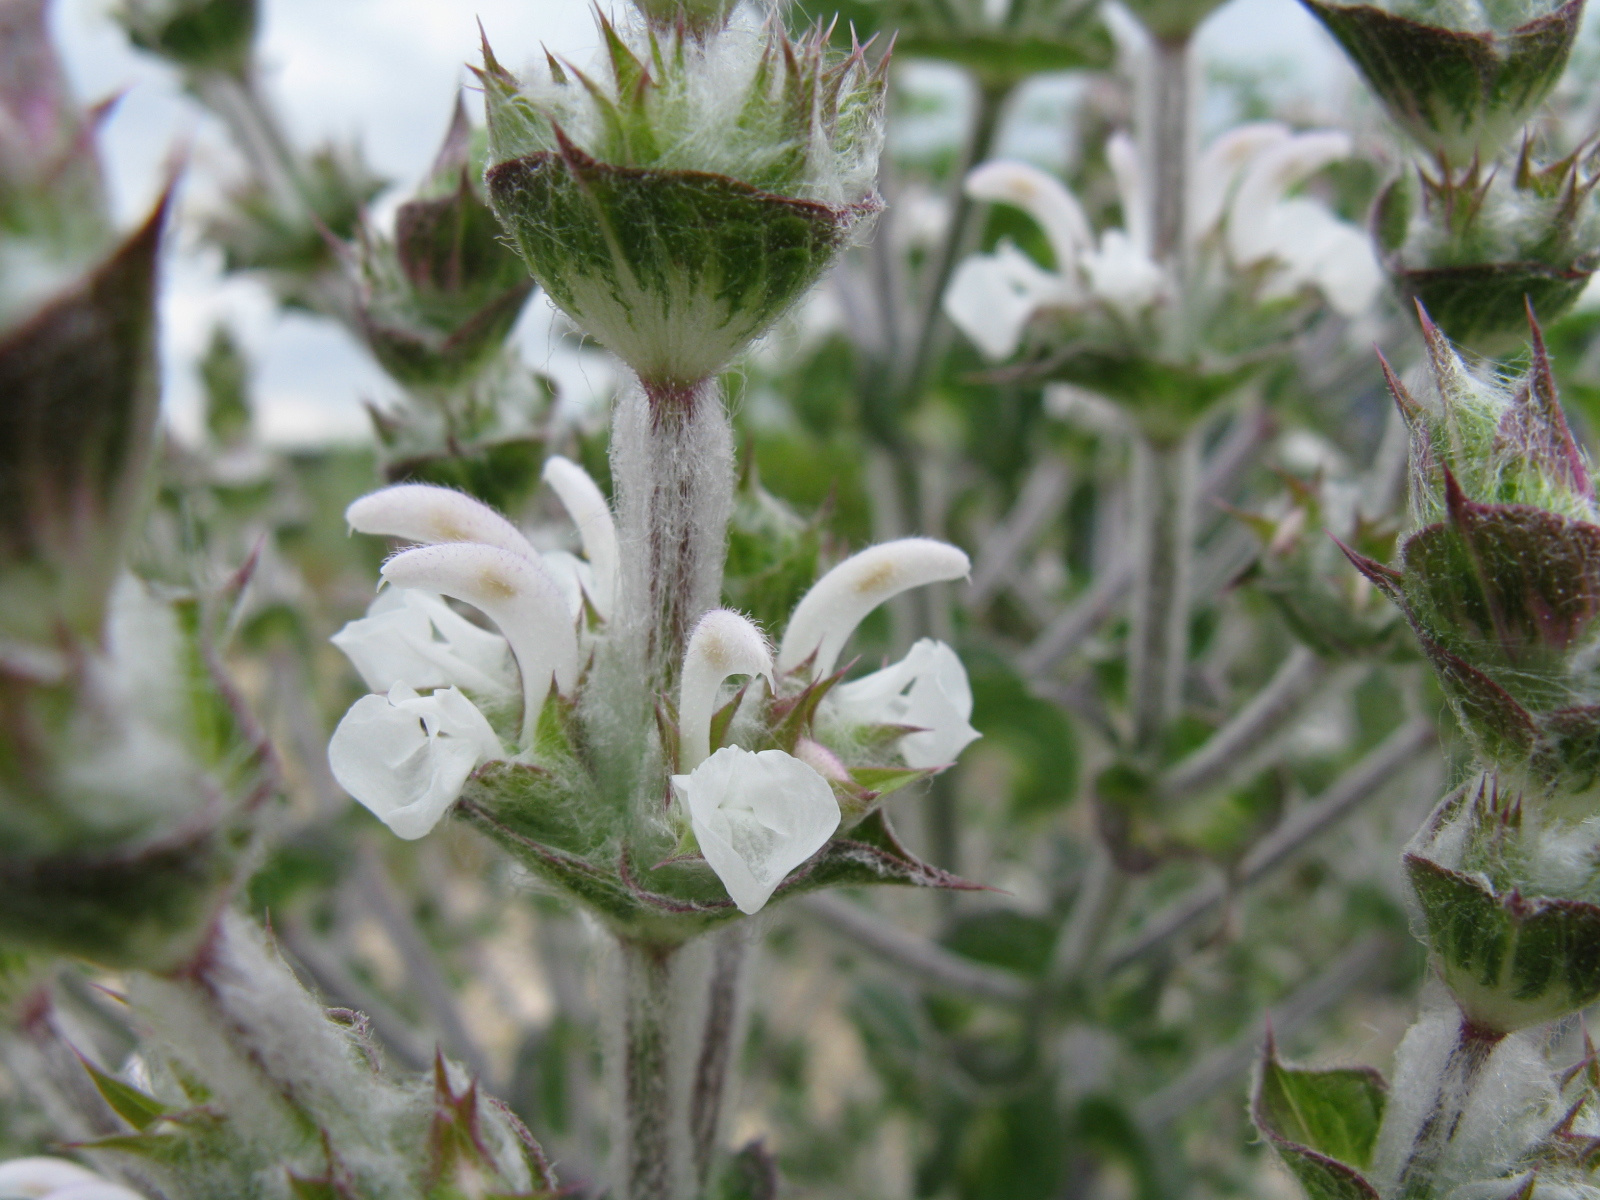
(1164, 498)
(652, 1136)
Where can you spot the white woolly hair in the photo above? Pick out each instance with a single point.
(720, 106)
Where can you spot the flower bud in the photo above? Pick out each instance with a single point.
(1475, 250)
(438, 302)
(197, 35)
(1460, 86)
(1502, 583)
(676, 203)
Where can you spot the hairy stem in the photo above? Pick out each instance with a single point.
(1164, 491)
(717, 1038)
(1455, 1087)
(652, 1146)
(1168, 145)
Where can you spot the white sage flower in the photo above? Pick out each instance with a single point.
(928, 688)
(587, 507)
(406, 757)
(1239, 187)
(518, 595)
(413, 637)
(756, 816)
(828, 614)
(723, 643)
(57, 1179)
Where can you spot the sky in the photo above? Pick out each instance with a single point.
(385, 72)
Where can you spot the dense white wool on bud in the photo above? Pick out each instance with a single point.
(723, 644)
(828, 614)
(56, 1179)
(587, 507)
(406, 757)
(1043, 198)
(420, 512)
(413, 637)
(518, 595)
(757, 817)
(928, 688)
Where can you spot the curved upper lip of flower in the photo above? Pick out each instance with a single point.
(723, 643)
(828, 614)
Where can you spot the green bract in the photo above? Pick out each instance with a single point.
(1459, 79)
(678, 204)
(193, 34)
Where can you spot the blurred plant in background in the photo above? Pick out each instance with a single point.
(1039, 538)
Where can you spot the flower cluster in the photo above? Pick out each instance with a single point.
(1240, 216)
(760, 779)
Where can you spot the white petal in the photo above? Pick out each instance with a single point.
(518, 595)
(723, 644)
(38, 1177)
(587, 507)
(406, 757)
(1271, 174)
(1123, 276)
(1218, 170)
(927, 688)
(572, 576)
(757, 817)
(422, 513)
(1045, 199)
(99, 1190)
(1123, 157)
(828, 614)
(992, 297)
(1317, 248)
(414, 637)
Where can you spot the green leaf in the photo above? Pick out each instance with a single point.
(135, 1107)
(1333, 1112)
(1323, 1124)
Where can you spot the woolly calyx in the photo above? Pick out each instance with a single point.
(678, 200)
(756, 817)
(1507, 910)
(129, 781)
(927, 691)
(1460, 88)
(1477, 249)
(197, 35)
(597, 530)
(723, 643)
(438, 301)
(518, 595)
(828, 614)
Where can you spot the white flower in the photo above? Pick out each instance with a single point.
(587, 507)
(723, 644)
(57, 1179)
(828, 614)
(406, 757)
(1240, 186)
(514, 592)
(413, 637)
(928, 689)
(757, 817)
